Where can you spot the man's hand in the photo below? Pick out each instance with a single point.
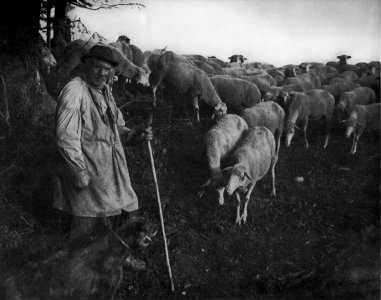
(81, 179)
(148, 134)
(138, 135)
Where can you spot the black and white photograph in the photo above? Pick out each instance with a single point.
(190, 149)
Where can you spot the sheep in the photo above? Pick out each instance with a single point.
(276, 91)
(86, 269)
(344, 66)
(347, 100)
(250, 162)
(305, 67)
(236, 93)
(197, 57)
(306, 80)
(213, 59)
(268, 114)
(372, 81)
(219, 142)
(177, 73)
(314, 104)
(349, 76)
(277, 74)
(209, 68)
(362, 118)
(336, 89)
(325, 73)
(338, 80)
(237, 58)
(263, 82)
(333, 64)
(235, 71)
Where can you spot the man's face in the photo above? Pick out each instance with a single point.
(99, 72)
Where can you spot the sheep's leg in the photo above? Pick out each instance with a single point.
(220, 192)
(354, 145)
(238, 217)
(247, 198)
(197, 109)
(279, 134)
(327, 130)
(305, 133)
(274, 160)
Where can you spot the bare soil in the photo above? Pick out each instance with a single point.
(317, 239)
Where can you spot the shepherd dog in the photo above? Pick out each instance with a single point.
(92, 270)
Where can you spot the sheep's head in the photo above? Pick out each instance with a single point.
(284, 97)
(268, 96)
(142, 77)
(343, 59)
(290, 131)
(351, 124)
(220, 110)
(238, 179)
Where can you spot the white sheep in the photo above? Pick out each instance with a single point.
(347, 100)
(268, 114)
(362, 118)
(314, 104)
(236, 93)
(251, 160)
(177, 73)
(307, 80)
(219, 142)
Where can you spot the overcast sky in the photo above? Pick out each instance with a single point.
(273, 31)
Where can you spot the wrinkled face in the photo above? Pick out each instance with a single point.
(98, 72)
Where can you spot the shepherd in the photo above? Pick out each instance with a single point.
(93, 181)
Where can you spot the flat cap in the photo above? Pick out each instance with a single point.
(103, 53)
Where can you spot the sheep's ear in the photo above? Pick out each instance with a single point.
(297, 127)
(343, 121)
(338, 57)
(247, 175)
(348, 57)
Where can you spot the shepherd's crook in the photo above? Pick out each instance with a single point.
(149, 123)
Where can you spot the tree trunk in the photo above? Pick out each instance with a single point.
(29, 102)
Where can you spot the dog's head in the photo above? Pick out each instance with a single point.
(137, 232)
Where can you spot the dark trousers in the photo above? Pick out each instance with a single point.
(95, 226)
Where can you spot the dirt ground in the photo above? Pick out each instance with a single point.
(317, 239)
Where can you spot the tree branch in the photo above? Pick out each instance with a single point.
(108, 6)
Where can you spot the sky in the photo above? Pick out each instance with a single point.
(269, 31)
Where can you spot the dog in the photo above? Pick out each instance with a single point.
(90, 271)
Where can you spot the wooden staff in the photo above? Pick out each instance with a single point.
(149, 124)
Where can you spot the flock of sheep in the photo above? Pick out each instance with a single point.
(254, 104)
